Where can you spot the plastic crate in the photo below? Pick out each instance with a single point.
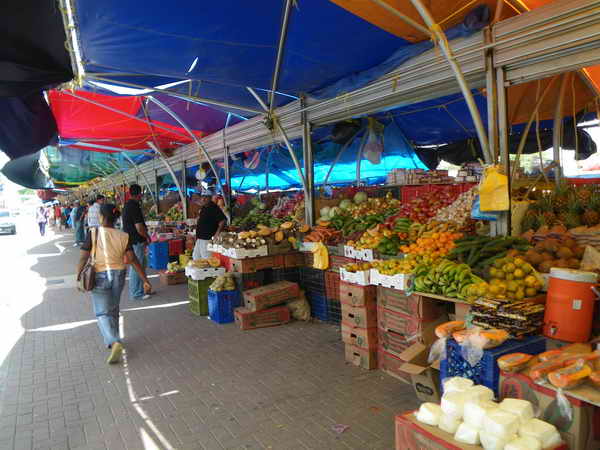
(332, 285)
(221, 305)
(158, 255)
(334, 311)
(336, 262)
(290, 274)
(313, 280)
(245, 281)
(318, 306)
(176, 247)
(199, 308)
(486, 371)
(198, 290)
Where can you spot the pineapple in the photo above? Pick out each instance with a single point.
(560, 198)
(529, 223)
(572, 220)
(591, 216)
(547, 210)
(584, 194)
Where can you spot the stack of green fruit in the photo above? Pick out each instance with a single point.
(174, 267)
(449, 279)
(479, 252)
(223, 283)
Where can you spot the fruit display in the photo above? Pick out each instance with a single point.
(480, 252)
(258, 215)
(326, 235)
(244, 239)
(560, 252)
(433, 244)
(223, 283)
(449, 279)
(173, 267)
(395, 266)
(152, 214)
(459, 211)
(519, 318)
(513, 279)
(359, 266)
(205, 263)
(175, 213)
(426, 206)
(381, 238)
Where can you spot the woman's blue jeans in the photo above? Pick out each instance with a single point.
(106, 297)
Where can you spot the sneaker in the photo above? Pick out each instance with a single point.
(146, 297)
(115, 353)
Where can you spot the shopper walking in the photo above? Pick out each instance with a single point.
(78, 220)
(111, 251)
(135, 226)
(41, 217)
(93, 215)
(211, 221)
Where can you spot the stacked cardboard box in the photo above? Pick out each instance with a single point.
(359, 324)
(261, 305)
(403, 320)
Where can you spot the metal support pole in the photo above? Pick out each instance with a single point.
(193, 136)
(280, 48)
(340, 153)
(359, 156)
(492, 97)
(557, 134)
(227, 194)
(267, 170)
(502, 226)
(156, 194)
(307, 153)
(184, 188)
(403, 17)
(460, 78)
(138, 171)
(167, 164)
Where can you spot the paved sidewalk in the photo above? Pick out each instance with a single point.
(186, 383)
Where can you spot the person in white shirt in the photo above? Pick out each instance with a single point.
(93, 216)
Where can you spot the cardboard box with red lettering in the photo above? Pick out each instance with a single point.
(412, 328)
(424, 377)
(361, 357)
(251, 320)
(417, 306)
(264, 297)
(360, 337)
(357, 295)
(360, 316)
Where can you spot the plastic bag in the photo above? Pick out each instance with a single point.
(477, 214)
(565, 410)
(300, 308)
(591, 259)
(437, 351)
(374, 146)
(321, 256)
(493, 190)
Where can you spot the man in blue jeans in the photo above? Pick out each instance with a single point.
(135, 226)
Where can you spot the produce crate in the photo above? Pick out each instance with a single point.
(176, 247)
(287, 274)
(251, 265)
(391, 365)
(171, 278)
(410, 327)
(332, 285)
(360, 337)
(357, 295)
(174, 258)
(414, 305)
(336, 262)
(270, 295)
(361, 357)
(245, 281)
(158, 255)
(313, 280)
(392, 342)
(198, 290)
(221, 305)
(335, 250)
(309, 259)
(278, 248)
(251, 320)
(318, 306)
(334, 311)
(486, 371)
(294, 259)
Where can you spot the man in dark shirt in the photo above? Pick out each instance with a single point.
(135, 226)
(211, 221)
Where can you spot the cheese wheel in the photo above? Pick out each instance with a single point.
(467, 434)
(474, 412)
(429, 413)
(544, 432)
(519, 407)
(500, 423)
(457, 384)
(453, 403)
(524, 443)
(449, 424)
(493, 442)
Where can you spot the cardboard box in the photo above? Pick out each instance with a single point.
(269, 295)
(391, 365)
(413, 305)
(359, 337)
(581, 433)
(360, 316)
(361, 357)
(251, 320)
(412, 328)
(355, 295)
(170, 278)
(251, 265)
(414, 435)
(425, 378)
(392, 342)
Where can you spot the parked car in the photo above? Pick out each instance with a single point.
(7, 223)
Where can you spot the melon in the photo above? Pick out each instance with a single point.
(334, 211)
(325, 211)
(360, 197)
(345, 204)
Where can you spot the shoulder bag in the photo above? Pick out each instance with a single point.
(87, 277)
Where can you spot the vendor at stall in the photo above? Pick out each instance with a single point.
(211, 221)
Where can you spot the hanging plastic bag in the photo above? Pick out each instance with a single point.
(374, 146)
(493, 190)
(321, 257)
(477, 214)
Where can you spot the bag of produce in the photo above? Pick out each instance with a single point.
(493, 190)
(374, 146)
(443, 332)
(477, 214)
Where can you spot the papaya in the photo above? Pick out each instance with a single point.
(287, 225)
(304, 228)
(494, 337)
(550, 354)
(244, 235)
(570, 376)
(279, 236)
(595, 378)
(460, 335)
(323, 223)
(513, 362)
(447, 328)
(591, 358)
(264, 232)
(540, 370)
(214, 262)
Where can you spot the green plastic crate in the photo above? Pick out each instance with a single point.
(198, 290)
(199, 308)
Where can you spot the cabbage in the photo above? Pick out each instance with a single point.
(360, 197)
(324, 219)
(325, 211)
(345, 204)
(334, 211)
(261, 206)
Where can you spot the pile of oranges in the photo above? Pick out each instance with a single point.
(436, 245)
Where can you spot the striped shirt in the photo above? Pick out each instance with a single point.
(93, 216)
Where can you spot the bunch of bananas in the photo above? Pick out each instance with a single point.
(449, 279)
